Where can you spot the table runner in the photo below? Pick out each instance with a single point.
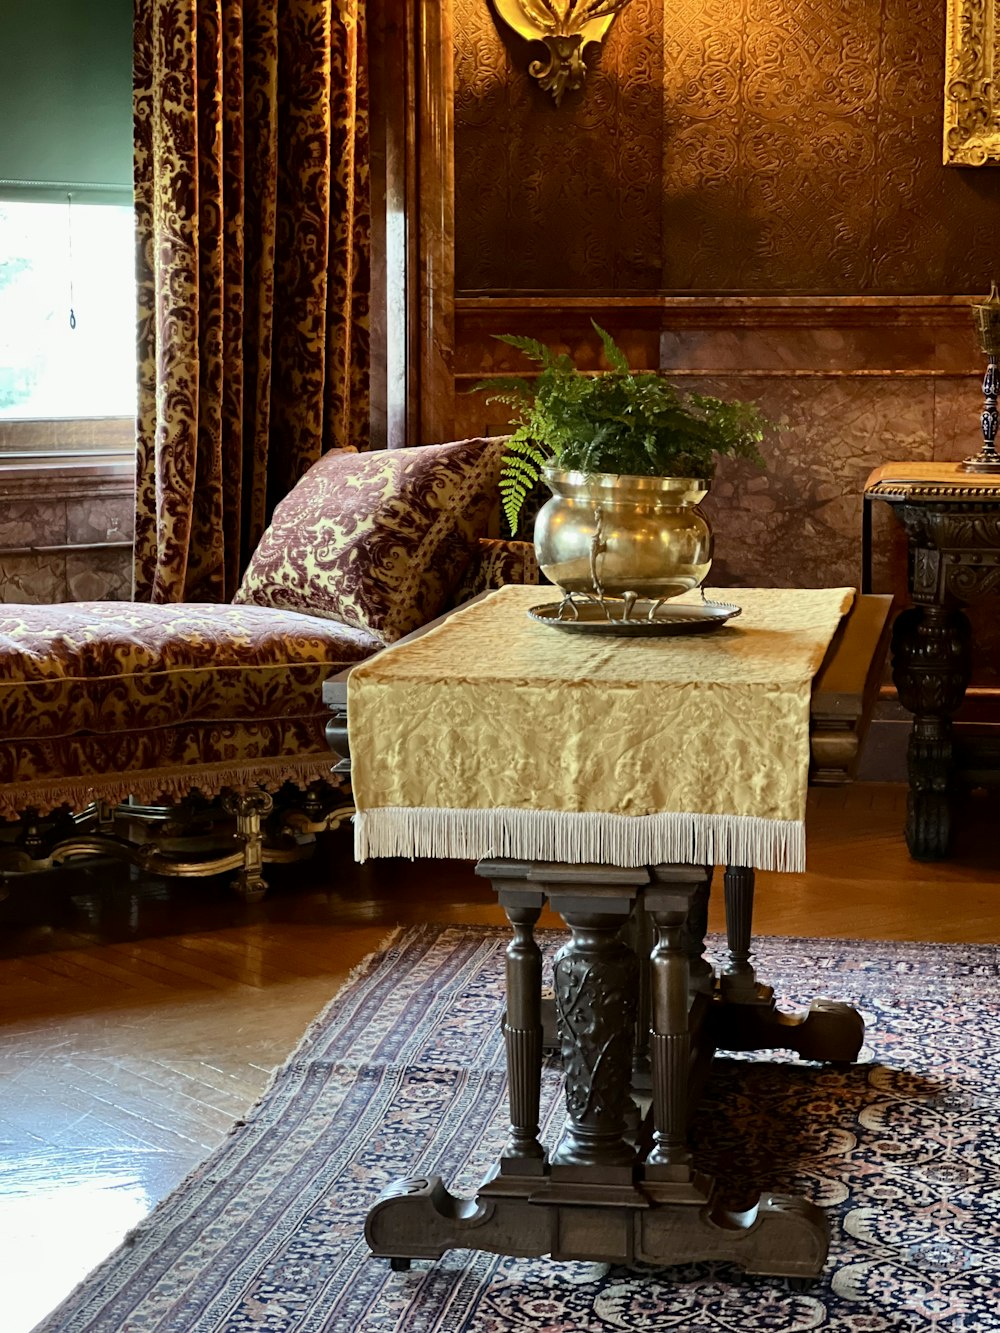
(493, 735)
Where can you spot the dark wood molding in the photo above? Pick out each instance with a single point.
(707, 310)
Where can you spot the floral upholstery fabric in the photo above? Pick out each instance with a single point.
(101, 700)
(497, 562)
(378, 540)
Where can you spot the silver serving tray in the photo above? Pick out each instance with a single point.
(667, 618)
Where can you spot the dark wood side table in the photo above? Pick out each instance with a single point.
(952, 521)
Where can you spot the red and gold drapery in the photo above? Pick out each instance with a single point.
(252, 208)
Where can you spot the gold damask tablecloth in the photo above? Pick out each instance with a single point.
(494, 735)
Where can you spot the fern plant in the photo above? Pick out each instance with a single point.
(625, 421)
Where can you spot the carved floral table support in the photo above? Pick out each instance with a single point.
(620, 1185)
(952, 522)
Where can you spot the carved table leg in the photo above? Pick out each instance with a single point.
(746, 1017)
(595, 978)
(595, 1201)
(775, 1234)
(931, 666)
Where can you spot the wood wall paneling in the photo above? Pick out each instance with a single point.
(720, 145)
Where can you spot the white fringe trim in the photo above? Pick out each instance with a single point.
(577, 838)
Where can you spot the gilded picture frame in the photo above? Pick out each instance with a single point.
(972, 84)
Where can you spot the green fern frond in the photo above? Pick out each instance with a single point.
(617, 359)
(522, 467)
(510, 389)
(531, 347)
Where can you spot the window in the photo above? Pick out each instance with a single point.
(67, 310)
(66, 231)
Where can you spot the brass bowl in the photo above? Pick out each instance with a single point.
(606, 534)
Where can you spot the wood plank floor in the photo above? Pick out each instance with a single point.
(139, 1020)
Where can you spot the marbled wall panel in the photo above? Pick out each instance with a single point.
(799, 519)
(99, 576)
(101, 520)
(32, 522)
(33, 579)
(86, 501)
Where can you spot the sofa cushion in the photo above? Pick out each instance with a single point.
(105, 699)
(377, 540)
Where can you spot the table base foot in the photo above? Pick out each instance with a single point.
(828, 1031)
(777, 1236)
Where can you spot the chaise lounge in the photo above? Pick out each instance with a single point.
(121, 708)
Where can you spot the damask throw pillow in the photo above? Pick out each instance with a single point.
(377, 540)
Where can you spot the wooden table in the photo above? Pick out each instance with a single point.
(640, 1016)
(952, 522)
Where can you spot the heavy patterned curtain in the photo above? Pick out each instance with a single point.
(252, 207)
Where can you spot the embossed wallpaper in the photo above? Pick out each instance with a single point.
(750, 146)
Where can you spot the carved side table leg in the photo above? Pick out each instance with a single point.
(595, 977)
(931, 666)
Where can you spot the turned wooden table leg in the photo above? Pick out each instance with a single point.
(931, 667)
(670, 1044)
(739, 980)
(639, 935)
(747, 1019)
(693, 934)
(524, 1153)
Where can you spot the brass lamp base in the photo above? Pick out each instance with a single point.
(983, 462)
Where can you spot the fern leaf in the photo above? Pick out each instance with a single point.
(617, 359)
(504, 388)
(521, 469)
(531, 347)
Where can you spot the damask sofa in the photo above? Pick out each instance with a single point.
(103, 702)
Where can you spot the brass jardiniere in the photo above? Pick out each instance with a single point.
(607, 535)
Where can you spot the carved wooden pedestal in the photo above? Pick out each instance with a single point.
(620, 1185)
(952, 521)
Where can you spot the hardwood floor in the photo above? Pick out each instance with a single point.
(139, 1020)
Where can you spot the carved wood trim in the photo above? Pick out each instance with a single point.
(971, 88)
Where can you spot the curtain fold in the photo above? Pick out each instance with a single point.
(253, 217)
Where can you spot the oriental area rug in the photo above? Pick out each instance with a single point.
(403, 1075)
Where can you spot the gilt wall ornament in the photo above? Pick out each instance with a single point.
(972, 84)
(565, 27)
